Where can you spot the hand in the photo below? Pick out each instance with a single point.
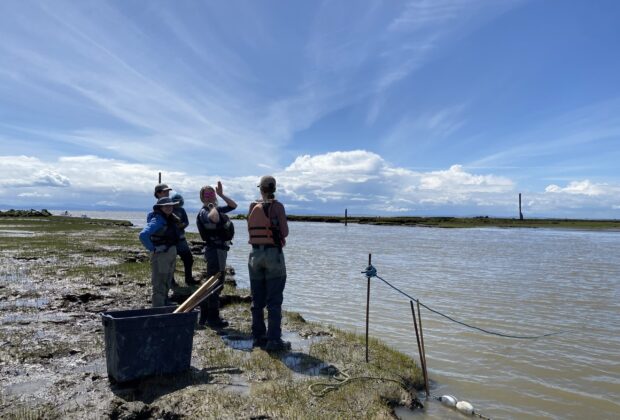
(219, 189)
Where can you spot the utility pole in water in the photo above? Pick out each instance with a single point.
(159, 182)
(520, 213)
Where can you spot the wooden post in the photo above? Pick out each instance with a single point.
(423, 349)
(367, 305)
(345, 216)
(159, 182)
(422, 360)
(520, 213)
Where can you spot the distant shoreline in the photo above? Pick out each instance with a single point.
(435, 221)
(462, 222)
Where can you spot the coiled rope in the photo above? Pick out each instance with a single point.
(372, 272)
(342, 378)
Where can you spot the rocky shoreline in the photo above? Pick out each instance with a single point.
(58, 274)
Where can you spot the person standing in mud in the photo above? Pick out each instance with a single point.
(217, 230)
(160, 236)
(183, 249)
(268, 229)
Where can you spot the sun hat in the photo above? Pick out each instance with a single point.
(164, 201)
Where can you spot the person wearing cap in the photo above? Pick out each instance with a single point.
(183, 249)
(162, 190)
(160, 236)
(268, 229)
(217, 230)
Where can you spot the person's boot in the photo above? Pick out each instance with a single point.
(259, 342)
(213, 319)
(277, 345)
(190, 281)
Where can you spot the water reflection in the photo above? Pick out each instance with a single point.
(523, 281)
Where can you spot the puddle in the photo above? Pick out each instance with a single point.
(7, 233)
(13, 273)
(305, 364)
(97, 366)
(102, 261)
(24, 303)
(28, 318)
(238, 342)
(28, 387)
(238, 385)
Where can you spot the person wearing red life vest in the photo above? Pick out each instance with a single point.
(268, 229)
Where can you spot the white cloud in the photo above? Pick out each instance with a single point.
(584, 187)
(359, 180)
(34, 195)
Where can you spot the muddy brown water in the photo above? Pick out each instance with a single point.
(516, 281)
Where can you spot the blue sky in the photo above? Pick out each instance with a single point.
(443, 107)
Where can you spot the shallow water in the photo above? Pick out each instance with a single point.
(516, 281)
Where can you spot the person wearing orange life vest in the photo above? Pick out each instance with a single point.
(268, 229)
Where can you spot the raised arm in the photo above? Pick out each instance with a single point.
(219, 189)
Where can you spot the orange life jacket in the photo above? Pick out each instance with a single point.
(260, 228)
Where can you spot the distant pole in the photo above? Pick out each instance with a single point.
(159, 182)
(345, 216)
(367, 305)
(520, 213)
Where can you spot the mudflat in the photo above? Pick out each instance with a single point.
(57, 274)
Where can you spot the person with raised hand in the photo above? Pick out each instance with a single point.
(217, 230)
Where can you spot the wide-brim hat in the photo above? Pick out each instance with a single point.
(165, 201)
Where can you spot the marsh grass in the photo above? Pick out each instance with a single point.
(81, 256)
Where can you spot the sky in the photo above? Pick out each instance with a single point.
(395, 108)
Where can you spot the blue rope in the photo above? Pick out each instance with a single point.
(372, 272)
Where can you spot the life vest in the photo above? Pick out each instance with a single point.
(168, 235)
(215, 233)
(263, 228)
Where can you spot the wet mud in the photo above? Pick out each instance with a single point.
(52, 348)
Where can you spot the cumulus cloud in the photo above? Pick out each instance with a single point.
(359, 180)
(584, 187)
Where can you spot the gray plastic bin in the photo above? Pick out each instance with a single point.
(145, 342)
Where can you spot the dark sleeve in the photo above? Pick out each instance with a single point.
(184, 217)
(199, 224)
(225, 209)
(281, 215)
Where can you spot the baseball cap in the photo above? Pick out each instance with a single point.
(267, 181)
(161, 188)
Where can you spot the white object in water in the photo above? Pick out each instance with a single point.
(448, 400)
(465, 407)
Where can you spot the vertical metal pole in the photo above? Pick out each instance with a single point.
(520, 213)
(417, 337)
(367, 305)
(423, 349)
(159, 182)
(345, 216)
